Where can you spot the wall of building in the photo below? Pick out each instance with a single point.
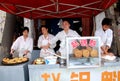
(2, 23)
(30, 24)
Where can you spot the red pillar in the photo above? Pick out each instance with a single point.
(87, 25)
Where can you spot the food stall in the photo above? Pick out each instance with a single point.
(63, 74)
(82, 64)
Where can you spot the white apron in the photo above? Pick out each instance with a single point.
(45, 52)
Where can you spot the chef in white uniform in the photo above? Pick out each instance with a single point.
(66, 32)
(43, 42)
(23, 45)
(106, 35)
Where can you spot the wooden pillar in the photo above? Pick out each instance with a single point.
(36, 32)
(87, 26)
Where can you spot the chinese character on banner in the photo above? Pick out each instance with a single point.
(74, 76)
(57, 77)
(109, 76)
(81, 76)
(118, 75)
(45, 76)
(54, 76)
(83, 42)
(92, 43)
(84, 76)
(74, 44)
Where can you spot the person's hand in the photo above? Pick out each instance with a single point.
(12, 51)
(26, 52)
(105, 51)
(107, 48)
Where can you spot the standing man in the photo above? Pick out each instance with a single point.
(66, 32)
(106, 35)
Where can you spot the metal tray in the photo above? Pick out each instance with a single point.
(4, 63)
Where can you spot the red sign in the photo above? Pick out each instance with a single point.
(83, 42)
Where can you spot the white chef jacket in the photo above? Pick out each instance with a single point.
(106, 36)
(20, 45)
(42, 41)
(62, 37)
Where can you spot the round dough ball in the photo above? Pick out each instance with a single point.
(94, 53)
(77, 53)
(86, 53)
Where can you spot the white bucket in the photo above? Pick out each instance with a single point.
(50, 59)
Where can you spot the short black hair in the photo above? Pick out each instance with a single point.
(66, 20)
(44, 26)
(25, 28)
(107, 21)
